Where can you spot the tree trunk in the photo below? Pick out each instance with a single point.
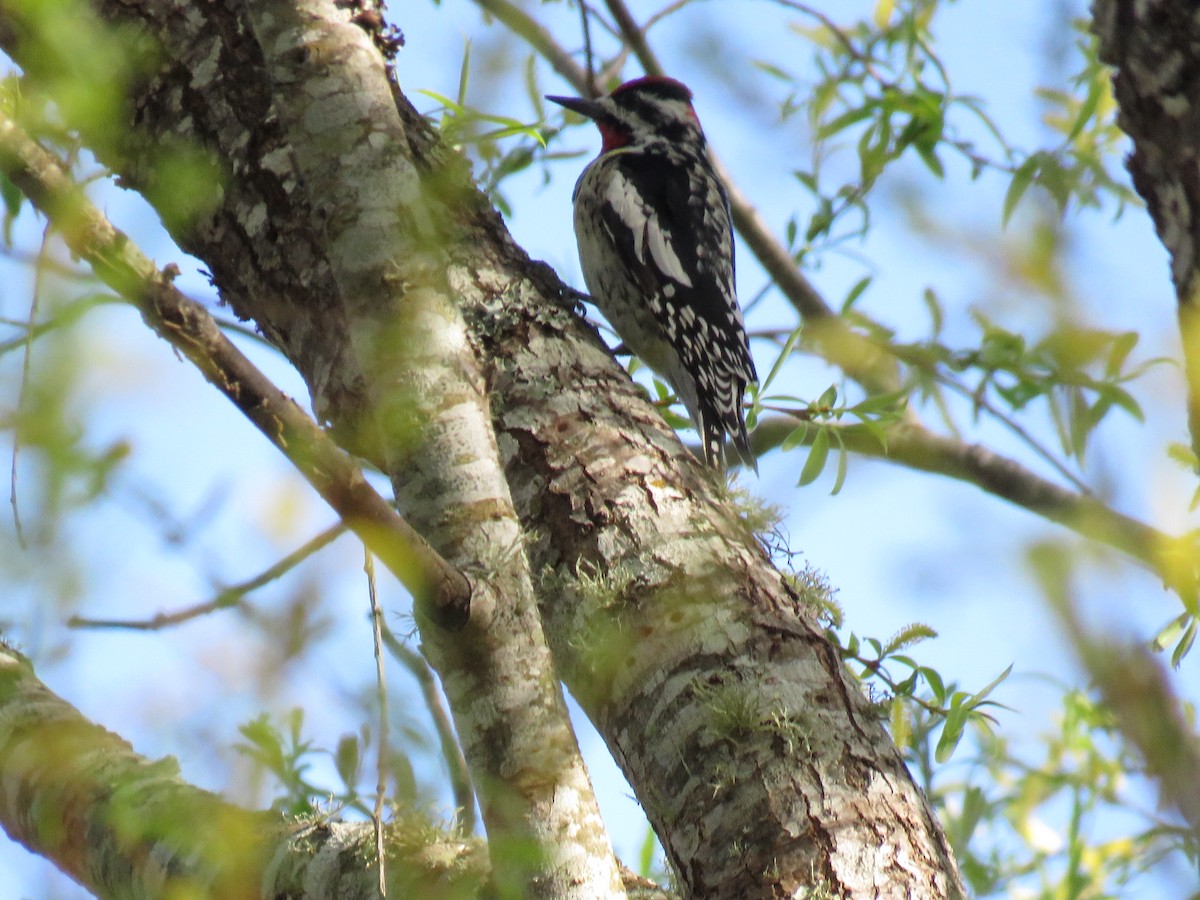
(433, 345)
(1153, 47)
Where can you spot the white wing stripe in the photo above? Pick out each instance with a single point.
(647, 235)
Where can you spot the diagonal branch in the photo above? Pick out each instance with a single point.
(149, 834)
(1137, 690)
(190, 329)
(226, 597)
(915, 447)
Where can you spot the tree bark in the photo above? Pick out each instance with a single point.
(432, 344)
(1154, 46)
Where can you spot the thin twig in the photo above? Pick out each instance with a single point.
(439, 588)
(382, 698)
(831, 27)
(227, 597)
(456, 763)
(634, 37)
(1019, 430)
(39, 275)
(587, 41)
(525, 26)
(65, 316)
(667, 10)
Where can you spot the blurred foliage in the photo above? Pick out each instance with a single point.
(489, 138)
(279, 747)
(1070, 823)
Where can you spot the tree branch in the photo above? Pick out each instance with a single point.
(1135, 687)
(226, 597)
(328, 220)
(189, 328)
(125, 826)
(912, 445)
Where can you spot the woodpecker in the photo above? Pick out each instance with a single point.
(655, 240)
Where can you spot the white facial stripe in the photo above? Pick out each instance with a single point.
(677, 108)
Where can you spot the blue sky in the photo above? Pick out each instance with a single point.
(899, 546)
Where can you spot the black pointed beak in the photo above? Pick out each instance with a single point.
(581, 105)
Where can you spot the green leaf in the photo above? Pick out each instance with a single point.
(772, 69)
(11, 195)
(891, 402)
(933, 678)
(852, 645)
(845, 120)
(934, 306)
(1078, 422)
(508, 125)
(808, 179)
(1184, 645)
(1183, 455)
(992, 685)
(872, 152)
(646, 853)
(817, 455)
(464, 72)
(1087, 109)
(1125, 400)
(346, 760)
(788, 346)
(840, 478)
(930, 158)
(1121, 348)
(906, 687)
(952, 731)
(1021, 180)
(12, 198)
(795, 438)
(821, 220)
(1171, 632)
(855, 292)
(511, 129)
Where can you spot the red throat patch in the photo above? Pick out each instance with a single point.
(612, 136)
